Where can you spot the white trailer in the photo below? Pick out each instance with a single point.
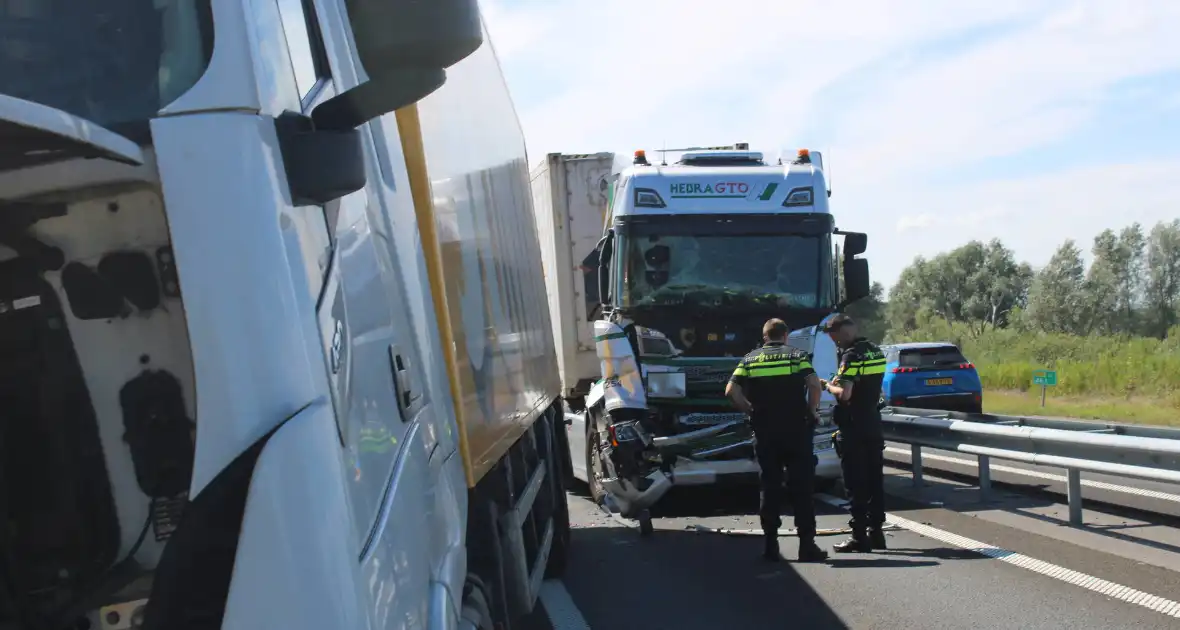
(570, 196)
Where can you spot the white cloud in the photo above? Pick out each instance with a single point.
(912, 222)
(905, 95)
(1024, 90)
(1031, 215)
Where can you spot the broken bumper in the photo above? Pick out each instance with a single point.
(629, 496)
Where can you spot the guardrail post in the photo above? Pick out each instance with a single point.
(916, 462)
(1074, 492)
(985, 478)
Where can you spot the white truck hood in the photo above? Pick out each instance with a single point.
(32, 134)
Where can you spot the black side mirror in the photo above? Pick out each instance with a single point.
(856, 279)
(590, 289)
(606, 250)
(405, 47)
(854, 243)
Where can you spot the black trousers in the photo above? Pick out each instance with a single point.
(862, 461)
(794, 454)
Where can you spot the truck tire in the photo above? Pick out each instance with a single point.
(593, 461)
(476, 614)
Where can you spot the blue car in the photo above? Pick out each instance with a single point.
(930, 375)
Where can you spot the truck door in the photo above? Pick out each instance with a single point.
(371, 353)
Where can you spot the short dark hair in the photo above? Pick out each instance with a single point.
(774, 329)
(838, 321)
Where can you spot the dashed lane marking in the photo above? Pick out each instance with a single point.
(1101, 485)
(1098, 585)
(563, 613)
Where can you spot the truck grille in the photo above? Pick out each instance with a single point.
(706, 374)
(706, 419)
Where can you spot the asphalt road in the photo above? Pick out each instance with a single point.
(949, 576)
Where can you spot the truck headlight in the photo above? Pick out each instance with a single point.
(666, 385)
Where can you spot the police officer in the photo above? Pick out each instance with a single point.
(776, 386)
(857, 388)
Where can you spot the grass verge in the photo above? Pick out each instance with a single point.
(1141, 410)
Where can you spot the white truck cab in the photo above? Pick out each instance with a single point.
(237, 392)
(696, 256)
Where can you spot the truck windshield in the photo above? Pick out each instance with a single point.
(782, 270)
(114, 63)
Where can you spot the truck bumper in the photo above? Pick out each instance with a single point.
(629, 499)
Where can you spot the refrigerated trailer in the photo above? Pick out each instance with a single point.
(570, 196)
(274, 348)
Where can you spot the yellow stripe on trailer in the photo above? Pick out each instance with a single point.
(410, 131)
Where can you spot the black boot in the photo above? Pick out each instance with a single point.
(858, 543)
(770, 551)
(877, 539)
(810, 552)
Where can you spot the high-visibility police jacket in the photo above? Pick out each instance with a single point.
(863, 365)
(773, 379)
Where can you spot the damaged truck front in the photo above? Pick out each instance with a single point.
(694, 258)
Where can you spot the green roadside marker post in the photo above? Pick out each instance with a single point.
(1046, 379)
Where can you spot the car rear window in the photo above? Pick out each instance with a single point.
(931, 357)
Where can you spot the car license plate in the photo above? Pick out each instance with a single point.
(939, 381)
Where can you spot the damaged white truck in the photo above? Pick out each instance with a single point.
(689, 260)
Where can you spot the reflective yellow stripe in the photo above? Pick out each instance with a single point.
(760, 363)
(865, 368)
(741, 371)
(785, 370)
(805, 365)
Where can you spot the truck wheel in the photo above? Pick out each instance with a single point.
(593, 459)
(476, 613)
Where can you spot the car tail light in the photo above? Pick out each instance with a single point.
(966, 366)
(903, 370)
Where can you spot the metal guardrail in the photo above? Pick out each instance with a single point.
(1078, 446)
(1046, 422)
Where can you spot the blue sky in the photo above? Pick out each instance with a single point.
(1030, 121)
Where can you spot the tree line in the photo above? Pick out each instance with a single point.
(1130, 288)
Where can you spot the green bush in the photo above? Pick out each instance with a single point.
(1086, 366)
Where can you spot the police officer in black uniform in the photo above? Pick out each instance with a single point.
(857, 388)
(777, 387)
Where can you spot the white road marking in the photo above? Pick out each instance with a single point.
(1101, 485)
(563, 613)
(1098, 585)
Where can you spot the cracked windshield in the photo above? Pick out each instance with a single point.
(700, 270)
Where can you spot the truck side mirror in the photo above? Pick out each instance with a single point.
(606, 250)
(854, 243)
(856, 279)
(404, 47)
(590, 289)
